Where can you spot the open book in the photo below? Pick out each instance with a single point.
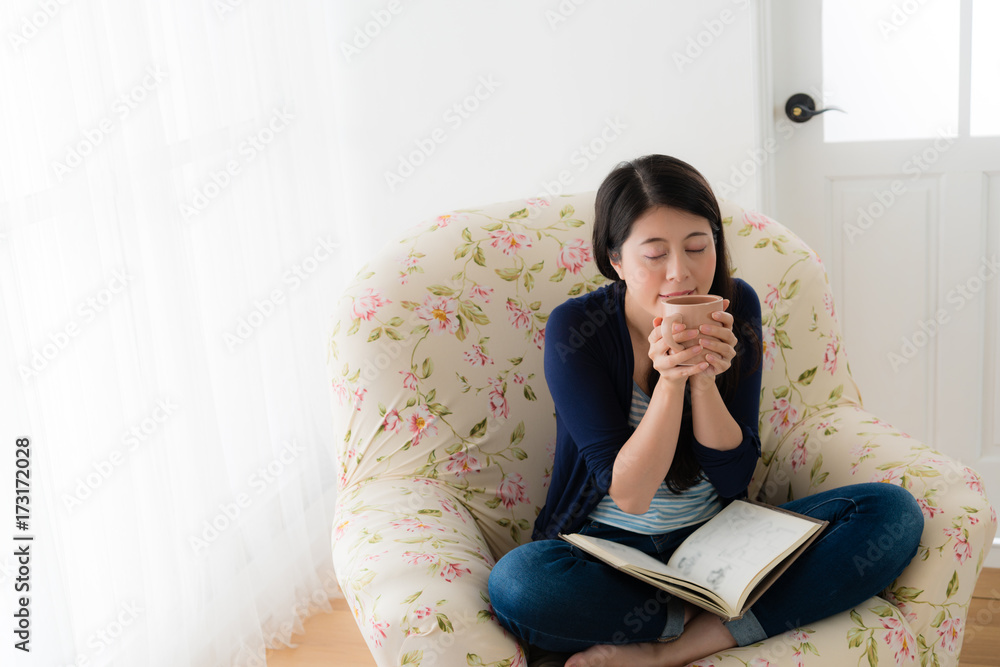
(726, 564)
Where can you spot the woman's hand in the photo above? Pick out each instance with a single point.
(720, 343)
(667, 352)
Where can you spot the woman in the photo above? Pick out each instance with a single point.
(650, 447)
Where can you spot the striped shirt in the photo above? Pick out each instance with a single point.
(667, 511)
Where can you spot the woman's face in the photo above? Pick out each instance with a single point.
(669, 252)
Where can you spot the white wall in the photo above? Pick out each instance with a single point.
(563, 73)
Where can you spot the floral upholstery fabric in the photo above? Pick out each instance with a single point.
(445, 435)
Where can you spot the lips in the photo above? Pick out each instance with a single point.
(667, 296)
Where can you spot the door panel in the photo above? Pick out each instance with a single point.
(909, 230)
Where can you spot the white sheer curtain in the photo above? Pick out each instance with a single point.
(170, 249)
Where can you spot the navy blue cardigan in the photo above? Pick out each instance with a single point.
(589, 367)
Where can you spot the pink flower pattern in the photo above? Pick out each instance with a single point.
(376, 631)
(770, 346)
(929, 510)
(481, 292)
(899, 639)
(366, 305)
(972, 481)
(799, 453)
(511, 490)
(828, 304)
(359, 396)
(477, 357)
(962, 549)
(951, 632)
(573, 255)
(539, 338)
(409, 380)
(417, 558)
(509, 242)
(448, 506)
(498, 402)
(452, 571)
(830, 358)
(391, 422)
(440, 313)
(772, 297)
(758, 221)
(519, 317)
(421, 423)
(341, 391)
(462, 464)
(785, 414)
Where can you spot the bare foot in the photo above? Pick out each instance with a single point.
(621, 655)
(704, 635)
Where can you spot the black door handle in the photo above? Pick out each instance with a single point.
(800, 107)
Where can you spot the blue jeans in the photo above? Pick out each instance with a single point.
(558, 598)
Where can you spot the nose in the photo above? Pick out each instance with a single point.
(677, 268)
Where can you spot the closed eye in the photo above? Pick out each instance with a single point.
(698, 251)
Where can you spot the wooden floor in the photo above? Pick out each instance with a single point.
(334, 639)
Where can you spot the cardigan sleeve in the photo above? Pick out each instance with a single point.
(582, 386)
(730, 471)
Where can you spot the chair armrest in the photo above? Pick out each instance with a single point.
(847, 445)
(414, 567)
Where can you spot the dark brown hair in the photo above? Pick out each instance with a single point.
(631, 190)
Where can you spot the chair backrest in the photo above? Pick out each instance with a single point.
(436, 360)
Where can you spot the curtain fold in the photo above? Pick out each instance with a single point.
(170, 249)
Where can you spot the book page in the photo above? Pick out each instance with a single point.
(620, 555)
(727, 553)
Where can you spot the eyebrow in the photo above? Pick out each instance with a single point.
(657, 238)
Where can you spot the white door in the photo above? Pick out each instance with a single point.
(900, 196)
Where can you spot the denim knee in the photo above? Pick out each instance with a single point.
(509, 587)
(889, 550)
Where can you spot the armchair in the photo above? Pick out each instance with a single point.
(446, 434)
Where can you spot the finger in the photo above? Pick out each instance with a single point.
(674, 345)
(684, 356)
(720, 351)
(696, 369)
(656, 333)
(725, 343)
(723, 318)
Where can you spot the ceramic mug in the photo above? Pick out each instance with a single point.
(695, 310)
